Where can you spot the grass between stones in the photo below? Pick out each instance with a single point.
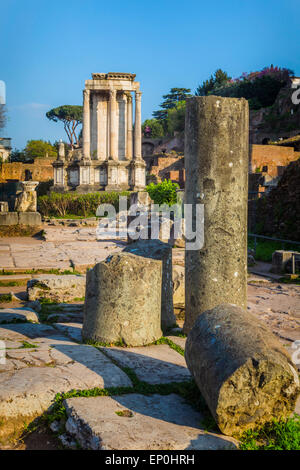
(3, 272)
(281, 434)
(5, 298)
(275, 435)
(22, 282)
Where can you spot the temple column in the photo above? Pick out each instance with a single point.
(138, 127)
(86, 134)
(129, 127)
(113, 151)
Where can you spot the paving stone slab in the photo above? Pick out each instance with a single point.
(153, 422)
(72, 330)
(31, 378)
(11, 314)
(152, 364)
(43, 336)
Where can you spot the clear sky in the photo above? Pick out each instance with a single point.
(49, 48)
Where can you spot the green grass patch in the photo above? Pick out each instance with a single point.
(5, 298)
(22, 282)
(27, 345)
(265, 248)
(125, 413)
(276, 435)
(39, 271)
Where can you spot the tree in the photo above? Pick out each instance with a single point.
(39, 149)
(170, 101)
(71, 116)
(176, 118)
(3, 116)
(66, 145)
(156, 129)
(217, 79)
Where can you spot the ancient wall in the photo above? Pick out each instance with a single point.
(166, 166)
(41, 170)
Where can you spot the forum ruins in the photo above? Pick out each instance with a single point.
(111, 154)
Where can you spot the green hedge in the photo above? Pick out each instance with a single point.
(163, 193)
(83, 205)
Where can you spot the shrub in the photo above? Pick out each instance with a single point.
(163, 193)
(63, 204)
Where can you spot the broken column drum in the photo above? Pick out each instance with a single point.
(155, 249)
(123, 301)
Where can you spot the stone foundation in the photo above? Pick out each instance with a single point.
(20, 218)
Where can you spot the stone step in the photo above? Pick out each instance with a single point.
(41, 362)
(155, 364)
(139, 422)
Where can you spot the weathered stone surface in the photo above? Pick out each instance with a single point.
(152, 364)
(282, 261)
(9, 315)
(29, 218)
(4, 206)
(9, 218)
(34, 305)
(153, 422)
(241, 369)
(178, 286)
(72, 330)
(55, 287)
(39, 334)
(123, 300)
(26, 200)
(30, 378)
(140, 198)
(179, 340)
(155, 249)
(216, 165)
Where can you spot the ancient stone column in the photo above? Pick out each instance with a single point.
(86, 124)
(129, 127)
(243, 372)
(137, 127)
(61, 150)
(216, 163)
(113, 153)
(123, 300)
(155, 249)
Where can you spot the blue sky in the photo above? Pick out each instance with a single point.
(48, 49)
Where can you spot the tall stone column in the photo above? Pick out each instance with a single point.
(86, 133)
(137, 127)
(113, 151)
(129, 127)
(216, 165)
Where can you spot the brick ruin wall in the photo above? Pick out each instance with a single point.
(40, 170)
(271, 159)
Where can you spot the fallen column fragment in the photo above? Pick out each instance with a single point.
(241, 369)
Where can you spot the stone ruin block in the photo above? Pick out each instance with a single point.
(241, 369)
(155, 249)
(123, 301)
(282, 261)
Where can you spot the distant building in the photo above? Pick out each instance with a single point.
(5, 148)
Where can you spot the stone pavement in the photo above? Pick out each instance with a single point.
(24, 253)
(43, 360)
